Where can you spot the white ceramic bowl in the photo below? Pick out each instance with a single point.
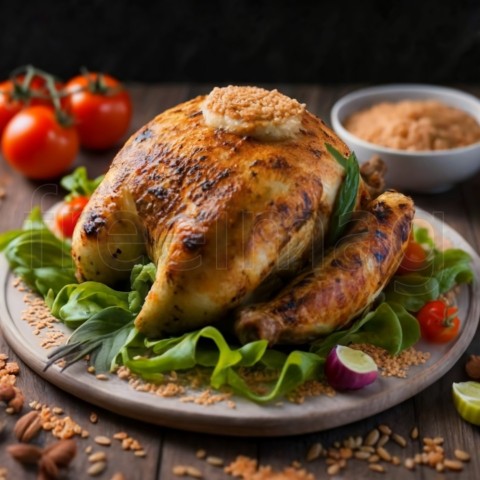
(423, 171)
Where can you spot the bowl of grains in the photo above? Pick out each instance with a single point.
(428, 136)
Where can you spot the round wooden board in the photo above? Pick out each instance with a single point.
(247, 419)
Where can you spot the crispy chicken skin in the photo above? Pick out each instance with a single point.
(342, 285)
(217, 212)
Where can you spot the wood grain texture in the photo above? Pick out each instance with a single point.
(432, 410)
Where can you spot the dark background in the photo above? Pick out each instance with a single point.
(246, 41)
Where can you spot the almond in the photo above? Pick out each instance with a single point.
(16, 403)
(28, 426)
(62, 452)
(7, 392)
(25, 453)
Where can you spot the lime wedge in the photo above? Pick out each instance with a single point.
(466, 398)
(356, 360)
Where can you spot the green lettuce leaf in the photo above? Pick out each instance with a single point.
(208, 348)
(389, 326)
(78, 183)
(41, 259)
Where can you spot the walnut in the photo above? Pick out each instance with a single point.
(472, 367)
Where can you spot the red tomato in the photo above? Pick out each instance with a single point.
(14, 96)
(438, 322)
(37, 92)
(102, 109)
(414, 258)
(9, 105)
(35, 144)
(69, 213)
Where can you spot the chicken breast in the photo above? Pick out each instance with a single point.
(345, 283)
(217, 209)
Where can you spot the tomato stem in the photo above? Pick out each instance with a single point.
(97, 85)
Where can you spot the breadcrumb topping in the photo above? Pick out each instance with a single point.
(253, 111)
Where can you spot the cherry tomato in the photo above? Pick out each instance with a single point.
(102, 109)
(69, 213)
(414, 258)
(37, 145)
(37, 92)
(14, 96)
(438, 322)
(9, 105)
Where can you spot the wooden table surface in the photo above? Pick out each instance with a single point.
(432, 411)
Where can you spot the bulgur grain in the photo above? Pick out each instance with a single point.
(372, 437)
(179, 470)
(193, 472)
(376, 467)
(415, 125)
(97, 457)
(455, 465)
(383, 440)
(314, 451)
(333, 469)
(201, 453)
(461, 455)
(102, 440)
(96, 469)
(398, 439)
(384, 454)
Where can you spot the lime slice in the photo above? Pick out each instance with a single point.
(466, 398)
(356, 360)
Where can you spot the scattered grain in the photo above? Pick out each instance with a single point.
(97, 457)
(102, 440)
(385, 429)
(399, 440)
(409, 463)
(461, 455)
(118, 476)
(120, 435)
(414, 433)
(179, 470)
(376, 467)
(201, 453)
(383, 440)
(214, 461)
(193, 472)
(372, 437)
(96, 469)
(140, 453)
(101, 376)
(314, 451)
(361, 455)
(333, 469)
(455, 465)
(93, 417)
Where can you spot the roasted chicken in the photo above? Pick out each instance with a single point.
(224, 193)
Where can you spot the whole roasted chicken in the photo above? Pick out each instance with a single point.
(226, 194)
